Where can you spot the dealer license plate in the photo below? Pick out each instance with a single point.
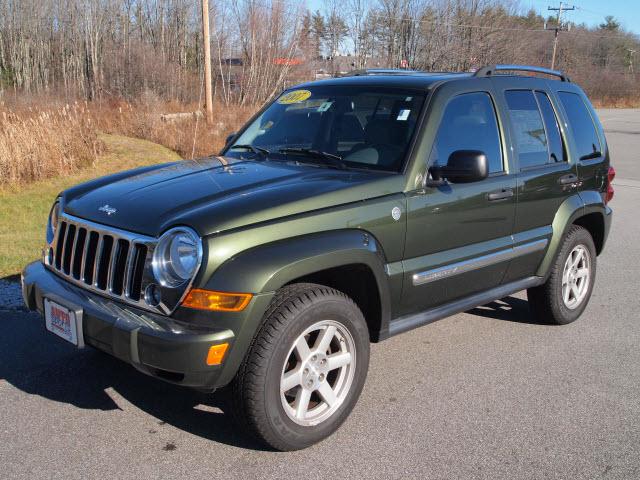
(61, 321)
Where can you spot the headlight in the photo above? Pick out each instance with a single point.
(177, 257)
(52, 224)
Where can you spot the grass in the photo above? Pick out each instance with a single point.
(25, 208)
(38, 143)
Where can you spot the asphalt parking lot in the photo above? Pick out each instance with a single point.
(485, 394)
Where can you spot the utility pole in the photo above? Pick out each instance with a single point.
(631, 52)
(207, 61)
(562, 8)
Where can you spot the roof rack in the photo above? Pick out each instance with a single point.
(489, 70)
(381, 71)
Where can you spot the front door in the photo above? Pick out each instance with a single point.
(459, 235)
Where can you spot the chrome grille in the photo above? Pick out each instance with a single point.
(105, 260)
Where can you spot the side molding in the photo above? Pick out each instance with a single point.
(478, 262)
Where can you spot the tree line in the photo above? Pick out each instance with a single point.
(100, 49)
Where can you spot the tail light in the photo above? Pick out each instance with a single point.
(611, 174)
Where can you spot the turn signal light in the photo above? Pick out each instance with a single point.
(216, 354)
(217, 301)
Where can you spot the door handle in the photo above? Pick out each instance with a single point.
(568, 179)
(501, 194)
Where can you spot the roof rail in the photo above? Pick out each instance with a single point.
(489, 70)
(380, 71)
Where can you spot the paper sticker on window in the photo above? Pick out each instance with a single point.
(325, 106)
(404, 114)
(296, 96)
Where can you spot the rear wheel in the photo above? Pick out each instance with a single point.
(305, 369)
(565, 294)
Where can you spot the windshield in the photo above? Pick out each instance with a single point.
(352, 127)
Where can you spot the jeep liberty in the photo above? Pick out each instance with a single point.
(346, 211)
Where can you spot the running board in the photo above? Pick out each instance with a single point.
(409, 322)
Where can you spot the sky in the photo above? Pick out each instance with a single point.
(591, 12)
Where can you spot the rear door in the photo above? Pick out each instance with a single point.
(459, 235)
(545, 176)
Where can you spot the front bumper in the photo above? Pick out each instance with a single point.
(174, 350)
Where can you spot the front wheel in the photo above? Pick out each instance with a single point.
(565, 294)
(305, 369)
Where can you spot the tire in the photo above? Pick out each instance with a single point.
(549, 302)
(302, 313)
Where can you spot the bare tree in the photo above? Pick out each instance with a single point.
(98, 49)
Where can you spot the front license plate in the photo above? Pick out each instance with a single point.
(61, 321)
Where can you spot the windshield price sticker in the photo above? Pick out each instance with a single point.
(296, 96)
(325, 106)
(403, 115)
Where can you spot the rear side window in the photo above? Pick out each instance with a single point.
(469, 123)
(556, 147)
(528, 128)
(582, 127)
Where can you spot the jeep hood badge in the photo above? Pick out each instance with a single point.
(108, 209)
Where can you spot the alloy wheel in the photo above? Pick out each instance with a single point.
(318, 373)
(576, 276)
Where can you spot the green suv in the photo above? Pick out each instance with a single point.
(345, 212)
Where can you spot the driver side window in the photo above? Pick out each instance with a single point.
(469, 123)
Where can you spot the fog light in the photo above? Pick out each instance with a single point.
(152, 295)
(216, 354)
(220, 301)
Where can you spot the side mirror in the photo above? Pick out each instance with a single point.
(463, 166)
(230, 137)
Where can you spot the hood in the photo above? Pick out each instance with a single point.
(219, 193)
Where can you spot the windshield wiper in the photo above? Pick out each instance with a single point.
(326, 158)
(256, 150)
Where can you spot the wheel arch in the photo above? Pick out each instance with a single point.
(349, 260)
(594, 223)
(357, 281)
(579, 209)
(595, 218)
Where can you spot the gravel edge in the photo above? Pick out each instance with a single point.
(11, 296)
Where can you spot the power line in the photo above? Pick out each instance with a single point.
(577, 7)
(593, 12)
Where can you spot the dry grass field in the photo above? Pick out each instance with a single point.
(190, 137)
(37, 143)
(43, 137)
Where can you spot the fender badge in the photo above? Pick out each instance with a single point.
(108, 209)
(396, 213)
